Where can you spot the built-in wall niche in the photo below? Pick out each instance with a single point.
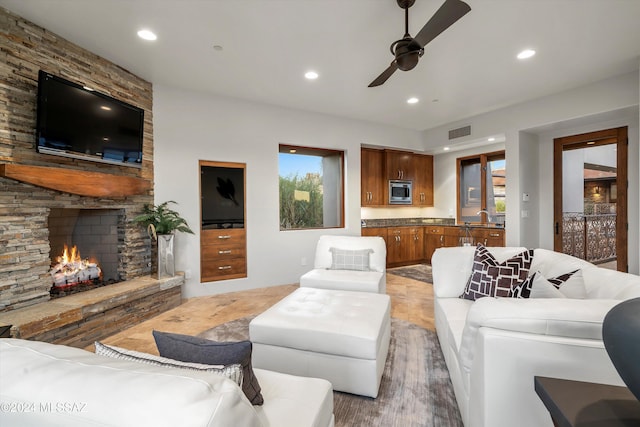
(223, 248)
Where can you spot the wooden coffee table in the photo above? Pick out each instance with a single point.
(582, 404)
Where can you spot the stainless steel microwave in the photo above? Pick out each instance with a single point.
(400, 192)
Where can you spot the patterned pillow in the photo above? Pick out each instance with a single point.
(233, 372)
(346, 259)
(199, 350)
(568, 285)
(492, 279)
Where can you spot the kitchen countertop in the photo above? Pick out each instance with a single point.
(412, 222)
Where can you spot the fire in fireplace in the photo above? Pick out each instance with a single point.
(71, 269)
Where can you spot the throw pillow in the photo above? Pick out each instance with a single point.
(571, 284)
(199, 350)
(348, 259)
(537, 286)
(492, 279)
(233, 372)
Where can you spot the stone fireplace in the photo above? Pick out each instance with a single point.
(84, 248)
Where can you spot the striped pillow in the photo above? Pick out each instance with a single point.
(233, 372)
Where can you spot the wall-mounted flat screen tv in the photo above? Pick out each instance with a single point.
(75, 121)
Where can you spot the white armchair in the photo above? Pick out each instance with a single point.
(349, 263)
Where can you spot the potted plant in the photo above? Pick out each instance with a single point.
(162, 223)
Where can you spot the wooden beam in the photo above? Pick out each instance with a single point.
(83, 183)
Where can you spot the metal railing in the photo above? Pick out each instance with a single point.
(590, 237)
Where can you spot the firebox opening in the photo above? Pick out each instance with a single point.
(94, 233)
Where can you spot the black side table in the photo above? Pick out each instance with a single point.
(582, 404)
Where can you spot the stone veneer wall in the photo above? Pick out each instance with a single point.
(25, 48)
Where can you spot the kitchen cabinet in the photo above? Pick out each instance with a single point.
(405, 245)
(488, 236)
(433, 239)
(423, 180)
(372, 177)
(375, 231)
(399, 165)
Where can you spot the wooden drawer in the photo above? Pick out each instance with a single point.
(223, 237)
(434, 229)
(228, 269)
(213, 252)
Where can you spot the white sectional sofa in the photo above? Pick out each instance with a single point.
(44, 384)
(494, 347)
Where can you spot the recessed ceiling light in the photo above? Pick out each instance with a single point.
(446, 148)
(147, 35)
(311, 75)
(293, 151)
(412, 100)
(217, 47)
(527, 53)
(105, 108)
(591, 143)
(491, 139)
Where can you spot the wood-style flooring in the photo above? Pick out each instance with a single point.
(411, 300)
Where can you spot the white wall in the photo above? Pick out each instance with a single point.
(190, 126)
(598, 106)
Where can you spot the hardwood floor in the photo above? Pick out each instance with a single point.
(411, 300)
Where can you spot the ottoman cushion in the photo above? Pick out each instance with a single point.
(326, 333)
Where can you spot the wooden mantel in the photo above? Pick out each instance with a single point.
(83, 183)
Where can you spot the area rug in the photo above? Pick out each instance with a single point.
(421, 272)
(415, 392)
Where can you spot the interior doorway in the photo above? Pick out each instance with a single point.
(590, 197)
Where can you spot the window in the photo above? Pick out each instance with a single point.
(311, 188)
(481, 188)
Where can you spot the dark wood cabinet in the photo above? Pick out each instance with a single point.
(399, 165)
(423, 180)
(372, 177)
(223, 240)
(223, 254)
(433, 239)
(405, 246)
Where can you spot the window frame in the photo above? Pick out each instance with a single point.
(483, 159)
(320, 152)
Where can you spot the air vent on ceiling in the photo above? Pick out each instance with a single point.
(460, 132)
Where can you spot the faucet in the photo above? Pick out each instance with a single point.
(487, 212)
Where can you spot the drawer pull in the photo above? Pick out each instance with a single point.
(227, 252)
(224, 237)
(224, 267)
(494, 234)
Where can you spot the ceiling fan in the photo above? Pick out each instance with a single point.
(408, 50)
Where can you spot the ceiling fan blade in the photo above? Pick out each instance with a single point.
(385, 75)
(446, 16)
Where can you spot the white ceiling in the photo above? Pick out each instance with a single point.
(268, 45)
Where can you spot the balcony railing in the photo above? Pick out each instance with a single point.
(590, 237)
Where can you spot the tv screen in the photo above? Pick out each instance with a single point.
(222, 193)
(75, 121)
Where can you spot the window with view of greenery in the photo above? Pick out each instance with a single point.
(482, 189)
(311, 188)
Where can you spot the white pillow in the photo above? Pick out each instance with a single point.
(233, 372)
(574, 286)
(542, 288)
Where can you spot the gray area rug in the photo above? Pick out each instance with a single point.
(415, 392)
(421, 272)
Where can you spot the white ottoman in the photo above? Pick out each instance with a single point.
(341, 336)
